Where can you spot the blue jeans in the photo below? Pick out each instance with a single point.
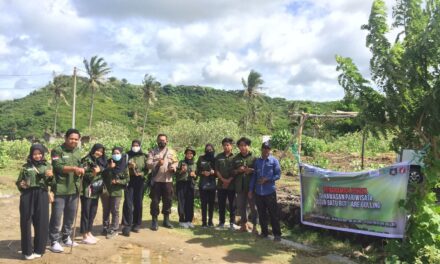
(63, 204)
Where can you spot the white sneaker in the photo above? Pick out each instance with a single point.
(56, 247)
(37, 255)
(183, 225)
(89, 241)
(69, 242)
(190, 225)
(30, 257)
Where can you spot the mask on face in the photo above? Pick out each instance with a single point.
(161, 144)
(116, 157)
(135, 149)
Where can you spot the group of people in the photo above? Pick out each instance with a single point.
(241, 180)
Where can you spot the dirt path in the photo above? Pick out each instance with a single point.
(164, 246)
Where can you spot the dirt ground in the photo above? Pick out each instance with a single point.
(164, 246)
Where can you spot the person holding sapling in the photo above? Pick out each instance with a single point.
(243, 165)
(262, 186)
(185, 179)
(115, 179)
(67, 168)
(134, 193)
(94, 164)
(225, 183)
(207, 185)
(33, 181)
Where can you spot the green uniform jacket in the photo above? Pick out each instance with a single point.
(89, 179)
(204, 165)
(185, 175)
(242, 180)
(66, 183)
(140, 162)
(35, 176)
(224, 165)
(115, 190)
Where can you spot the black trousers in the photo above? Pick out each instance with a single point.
(89, 207)
(268, 209)
(133, 197)
(34, 210)
(164, 191)
(222, 196)
(207, 199)
(185, 198)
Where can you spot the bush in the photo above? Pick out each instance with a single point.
(281, 139)
(312, 146)
(108, 134)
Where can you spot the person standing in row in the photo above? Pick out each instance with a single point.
(267, 171)
(134, 193)
(115, 178)
(163, 162)
(66, 162)
(225, 183)
(33, 181)
(94, 164)
(243, 165)
(207, 185)
(185, 182)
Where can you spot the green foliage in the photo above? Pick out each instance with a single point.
(191, 133)
(281, 139)
(109, 134)
(312, 146)
(407, 73)
(352, 143)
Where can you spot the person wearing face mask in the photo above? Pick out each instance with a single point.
(115, 178)
(33, 181)
(134, 193)
(67, 168)
(94, 163)
(207, 184)
(162, 161)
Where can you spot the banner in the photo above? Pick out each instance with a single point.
(360, 202)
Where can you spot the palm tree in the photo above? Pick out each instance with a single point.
(58, 89)
(97, 70)
(251, 92)
(150, 87)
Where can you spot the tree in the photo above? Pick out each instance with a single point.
(407, 75)
(58, 89)
(251, 92)
(150, 87)
(97, 70)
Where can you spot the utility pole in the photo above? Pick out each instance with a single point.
(74, 98)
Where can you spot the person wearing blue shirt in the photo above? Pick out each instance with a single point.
(266, 171)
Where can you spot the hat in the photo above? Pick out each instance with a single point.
(266, 145)
(190, 149)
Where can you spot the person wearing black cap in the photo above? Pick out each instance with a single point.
(115, 178)
(33, 181)
(134, 192)
(67, 168)
(185, 179)
(262, 185)
(94, 164)
(207, 184)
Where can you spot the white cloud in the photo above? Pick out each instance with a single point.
(216, 43)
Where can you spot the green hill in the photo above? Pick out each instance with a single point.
(121, 102)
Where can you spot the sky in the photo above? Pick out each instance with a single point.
(292, 43)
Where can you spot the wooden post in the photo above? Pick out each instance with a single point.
(302, 120)
(74, 98)
(363, 149)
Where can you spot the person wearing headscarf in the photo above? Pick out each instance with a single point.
(115, 178)
(207, 184)
(94, 164)
(185, 181)
(134, 192)
(33, 181)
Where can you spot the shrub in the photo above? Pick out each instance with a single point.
(281, 139)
